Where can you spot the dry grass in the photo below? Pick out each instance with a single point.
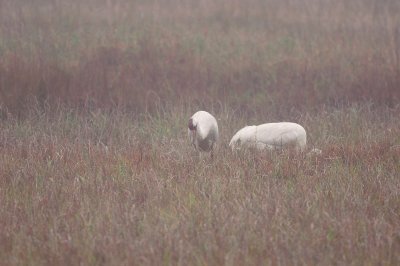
(254, 54)
(95, 167)
(147, 199)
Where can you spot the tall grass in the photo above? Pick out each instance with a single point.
(95, 168)
(255, 54)
(110, 188)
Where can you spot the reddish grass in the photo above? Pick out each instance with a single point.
(95, 167)
(147, 199)
(254, 57)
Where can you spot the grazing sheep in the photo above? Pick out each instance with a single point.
(203, 131)
(270, 136)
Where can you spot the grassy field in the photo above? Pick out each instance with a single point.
(95, 164)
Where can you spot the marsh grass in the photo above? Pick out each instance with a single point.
(72, 193)
(95, 165)
(254, 56)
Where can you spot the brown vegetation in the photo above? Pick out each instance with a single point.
(255, 54)
(110, 189)
(95, 166)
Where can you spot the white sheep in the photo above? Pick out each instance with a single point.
(270, 136)
(203, 131)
